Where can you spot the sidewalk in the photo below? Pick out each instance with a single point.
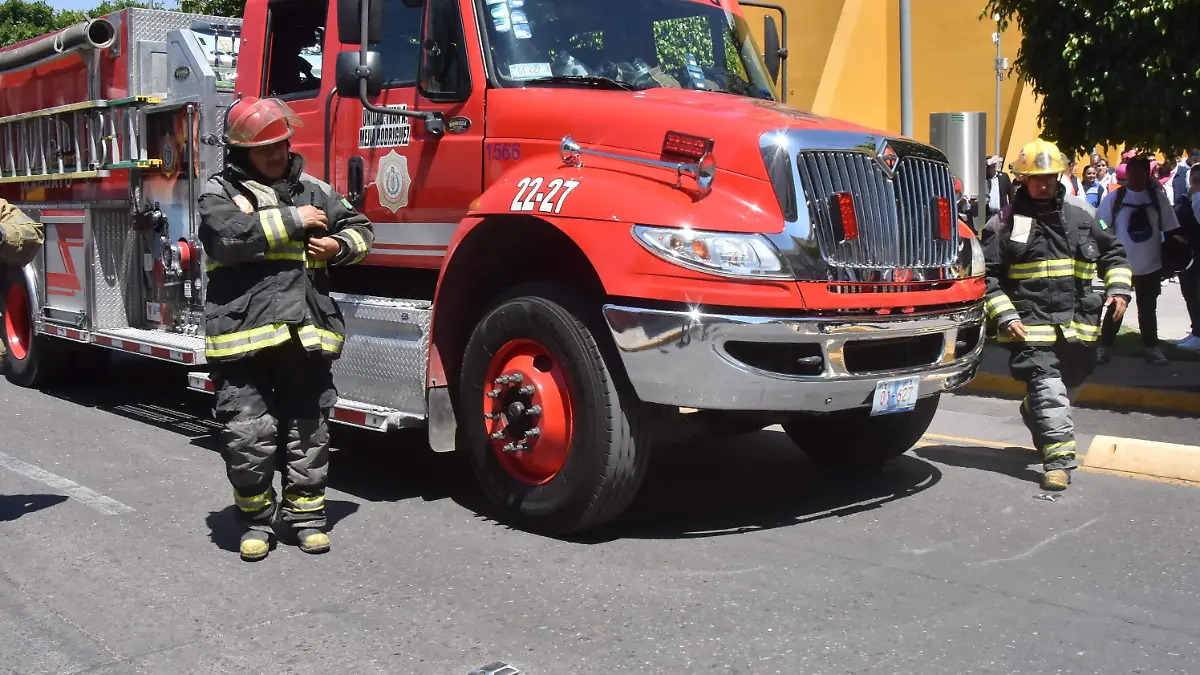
(1128, 381)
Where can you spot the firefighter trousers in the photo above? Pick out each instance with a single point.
(1053, 375)
(274, 408)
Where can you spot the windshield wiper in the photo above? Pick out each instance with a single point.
(593, 80)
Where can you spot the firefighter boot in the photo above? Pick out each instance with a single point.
(313, 540)
(256, 544)
(1056, 479)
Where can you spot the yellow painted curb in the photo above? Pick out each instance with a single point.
(1154, 459)
(1099, 394)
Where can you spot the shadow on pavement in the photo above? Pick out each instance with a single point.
(755, 482)
(225, 531)
(707, 488)
(1012, 461)
(371, 466)
(15, 506)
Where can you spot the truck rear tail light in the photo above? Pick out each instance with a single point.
(684, 145)
(841, 208)
(943, 217)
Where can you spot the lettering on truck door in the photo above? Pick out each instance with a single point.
(416, 187)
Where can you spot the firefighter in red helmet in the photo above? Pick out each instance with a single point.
(270, 231)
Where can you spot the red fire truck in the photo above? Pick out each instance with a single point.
(598, 228)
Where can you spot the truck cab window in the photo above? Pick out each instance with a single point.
(296, 35)
(445, 70)
(400, 43)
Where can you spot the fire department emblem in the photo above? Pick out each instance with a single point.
(393, 181)
(887, 157)
(168, 156)
(243, 203)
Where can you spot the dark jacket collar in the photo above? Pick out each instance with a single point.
(240, 170)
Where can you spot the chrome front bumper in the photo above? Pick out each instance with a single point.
(683, 359)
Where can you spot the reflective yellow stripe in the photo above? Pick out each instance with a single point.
(314, 264)
(327, 340)
(1086, 331)
(1059, 450)
(302, 504)
(241, 342)
(1035, 334)
(272, 225)
(1118, 275)
(255, 503)
(1085, 270)
(358, 245)
(997, 305)
(1061, 267)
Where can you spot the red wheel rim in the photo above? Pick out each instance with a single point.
(527, 411)
(16, 321)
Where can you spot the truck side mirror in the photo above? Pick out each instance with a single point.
(771, 53)
(346, 68)
(350, 21)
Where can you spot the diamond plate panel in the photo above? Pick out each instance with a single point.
(384, 360)
(116, 270)
(161, 338)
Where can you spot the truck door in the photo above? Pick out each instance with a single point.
(414, 186)
(294, 68)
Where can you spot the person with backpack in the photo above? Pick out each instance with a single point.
(1139, 213)
(1042, 254)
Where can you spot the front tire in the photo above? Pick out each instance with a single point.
(551, 430)
(31, 360)
(853, 438)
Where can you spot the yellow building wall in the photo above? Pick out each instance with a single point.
(844, 61)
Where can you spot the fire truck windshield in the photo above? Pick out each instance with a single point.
(628, 44)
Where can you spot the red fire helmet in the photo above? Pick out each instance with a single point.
(255, 122)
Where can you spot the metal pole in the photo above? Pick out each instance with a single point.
(906, 103)
(999, 78)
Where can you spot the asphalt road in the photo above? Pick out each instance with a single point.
(740, 556)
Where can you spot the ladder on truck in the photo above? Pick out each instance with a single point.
(74, 141)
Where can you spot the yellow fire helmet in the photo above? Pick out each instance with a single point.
(1040, 158)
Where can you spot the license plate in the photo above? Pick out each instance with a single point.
(893, 396)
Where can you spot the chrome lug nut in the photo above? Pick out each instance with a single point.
(492, 416)
(527, 390)
(495, 393)
(515, 378)
(533, 432)
(533, 410)
(510, 448)
(498, 435)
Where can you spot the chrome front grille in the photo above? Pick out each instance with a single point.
(897, 227)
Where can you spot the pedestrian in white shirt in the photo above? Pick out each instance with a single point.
(1143, 214)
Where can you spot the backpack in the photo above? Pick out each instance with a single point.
(1140, 228)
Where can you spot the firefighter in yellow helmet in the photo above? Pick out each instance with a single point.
(271, 330)
(1042, 253)
(20, 240)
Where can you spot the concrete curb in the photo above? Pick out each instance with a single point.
(1103, 395)
(1144, 459)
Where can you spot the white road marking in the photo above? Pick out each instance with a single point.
(89, 497)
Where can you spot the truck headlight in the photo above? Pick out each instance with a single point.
(721, 253)
(970, 257)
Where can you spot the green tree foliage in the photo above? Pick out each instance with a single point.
(24, 19)
(1111, 72)
(21, 20)
(213, 7)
